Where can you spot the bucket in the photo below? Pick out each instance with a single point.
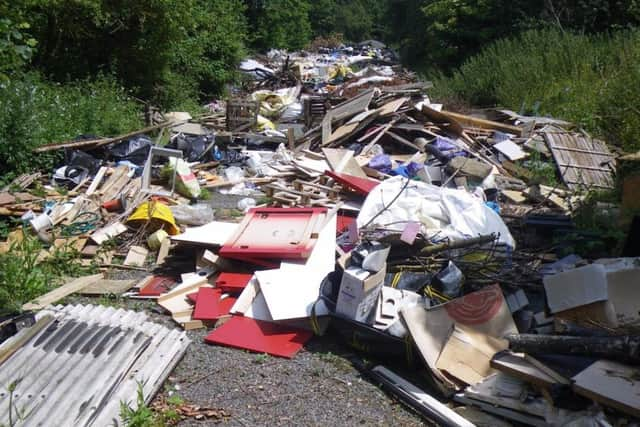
(41, 223)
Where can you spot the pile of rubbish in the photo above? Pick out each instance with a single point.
(331, 195)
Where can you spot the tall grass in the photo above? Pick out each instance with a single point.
(592, 80)
(34, 112)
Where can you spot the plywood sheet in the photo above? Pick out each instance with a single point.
(612, 384)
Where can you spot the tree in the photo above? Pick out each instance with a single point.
(282, 24)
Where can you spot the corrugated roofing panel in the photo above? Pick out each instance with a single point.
(78, 369)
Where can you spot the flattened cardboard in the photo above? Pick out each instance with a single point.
(467, 354)
(482, 312)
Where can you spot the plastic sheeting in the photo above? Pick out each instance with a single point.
(443, 212)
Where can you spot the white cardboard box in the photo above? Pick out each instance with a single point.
(359, 292)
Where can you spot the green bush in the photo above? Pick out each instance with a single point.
(165, 51)
(589, 80)
(34, 112)
(27, 273)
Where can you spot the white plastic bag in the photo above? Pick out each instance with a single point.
(199, 214)
(451, 213)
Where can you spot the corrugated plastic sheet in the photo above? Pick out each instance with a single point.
(77, 370)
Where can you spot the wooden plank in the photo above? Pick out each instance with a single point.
(102, 287)
(341, 160)
(96, 181)
(519, 367)
(98, 142)
(483, 123)
(581, 160)
(392, 106)
(163, 251)
(61, 292)
(18, 341)
(137, 256)
(611, 384)
(348, 108)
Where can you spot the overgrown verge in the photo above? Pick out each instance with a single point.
(35, 112)
(591, 80)
(29, 271)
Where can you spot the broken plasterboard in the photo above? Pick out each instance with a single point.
(511, 150)
(291, 291)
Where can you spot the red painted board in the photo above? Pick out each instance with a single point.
(343, 223)
(193, 297)
(361, 186)
(232, 282)
(156, 286)
(275, 233)
(259, 336)
(210, 305)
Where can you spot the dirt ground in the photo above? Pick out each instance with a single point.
(319, 386)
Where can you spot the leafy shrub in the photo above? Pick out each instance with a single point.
(165, 51)
(28, 271)
(34, 112)
(589, 80)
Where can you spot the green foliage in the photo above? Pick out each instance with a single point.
(204, 56)
(598, 233)
(34, 112)
(164, 50)
(27, 273)
(144, 416)
(16, 48)
(280, 24)
(357, 20)
(141, 416)
(581, 78)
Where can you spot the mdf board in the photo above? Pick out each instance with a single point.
(210, 304)
(285, 233)
(232, 282)
(521, 368)
(582, 161)
(612, 384)
(260, 336)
